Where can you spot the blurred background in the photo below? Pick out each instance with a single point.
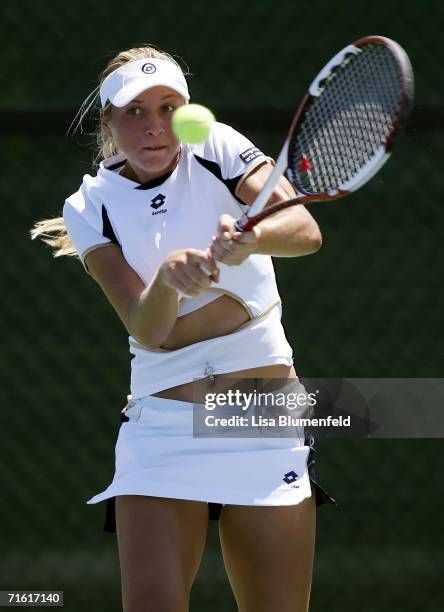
(369, 304)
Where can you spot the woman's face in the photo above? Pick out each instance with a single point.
(142, 132)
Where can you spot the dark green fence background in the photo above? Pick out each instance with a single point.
(369, 304)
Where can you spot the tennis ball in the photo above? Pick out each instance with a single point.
(192, 122)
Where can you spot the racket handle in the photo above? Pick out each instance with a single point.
(246, 223)
(205, 270)
(267, 189)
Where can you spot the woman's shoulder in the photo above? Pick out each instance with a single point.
(233, 152)
(88, 196)
(81, 201)
(220, 134)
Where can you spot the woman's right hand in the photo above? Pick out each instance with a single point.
(181, 270)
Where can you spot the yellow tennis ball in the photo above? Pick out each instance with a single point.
(192, 122)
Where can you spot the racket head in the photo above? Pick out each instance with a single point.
(348, 121)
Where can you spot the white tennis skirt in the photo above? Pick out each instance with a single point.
(157, 455)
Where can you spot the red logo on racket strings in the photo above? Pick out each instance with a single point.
(305, 164)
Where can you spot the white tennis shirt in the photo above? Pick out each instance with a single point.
(181, 210)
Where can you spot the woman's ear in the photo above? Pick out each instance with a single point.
(105, 123)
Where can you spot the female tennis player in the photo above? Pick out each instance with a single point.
(155, 229)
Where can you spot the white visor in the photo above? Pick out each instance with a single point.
(128, 81)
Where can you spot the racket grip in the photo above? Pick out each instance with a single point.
(243, 224)
(204, 269)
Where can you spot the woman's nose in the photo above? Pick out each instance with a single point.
(154, 128)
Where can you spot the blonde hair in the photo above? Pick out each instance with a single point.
(53, 231)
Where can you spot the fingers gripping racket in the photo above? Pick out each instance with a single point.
(345, 127)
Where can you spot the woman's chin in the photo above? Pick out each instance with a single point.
(156, 160)
(149, 164)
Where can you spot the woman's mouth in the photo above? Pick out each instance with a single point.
(155, 148)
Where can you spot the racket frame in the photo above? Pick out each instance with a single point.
(257, 210)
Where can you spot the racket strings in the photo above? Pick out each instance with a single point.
(347, 124)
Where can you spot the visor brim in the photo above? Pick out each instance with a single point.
(125, 95)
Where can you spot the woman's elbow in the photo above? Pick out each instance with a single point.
(151, 337)
(312, 239)
(147, 342)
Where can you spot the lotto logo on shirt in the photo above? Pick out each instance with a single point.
(250, 154)
(157, 202)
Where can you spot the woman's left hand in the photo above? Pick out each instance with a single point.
(230, 246)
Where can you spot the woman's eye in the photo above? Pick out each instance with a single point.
(134, 110)
(169, 108)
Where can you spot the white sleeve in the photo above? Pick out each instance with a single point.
(235, 154)
(84, 225)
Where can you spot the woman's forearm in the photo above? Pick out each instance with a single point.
(153, 315)
(289, 233)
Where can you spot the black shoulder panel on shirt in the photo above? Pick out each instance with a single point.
(214, 168)
(117, 165)
(108, 231)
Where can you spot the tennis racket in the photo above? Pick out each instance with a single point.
(345, 127)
